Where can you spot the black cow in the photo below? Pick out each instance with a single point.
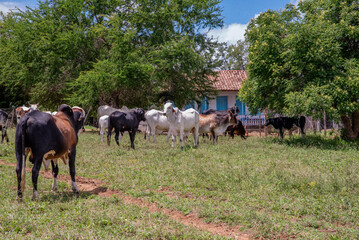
(3, 125)
(237, 129)
(287, 123)
(125, 121)
(45, 137)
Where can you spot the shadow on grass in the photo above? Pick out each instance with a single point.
(315, 141)
(68, 196)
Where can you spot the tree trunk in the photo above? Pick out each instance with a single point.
(325, 123)
(351, 125)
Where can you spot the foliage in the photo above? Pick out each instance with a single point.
(233, 56)
(114, 52)
(305, 61)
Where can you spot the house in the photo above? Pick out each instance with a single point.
(228, 84)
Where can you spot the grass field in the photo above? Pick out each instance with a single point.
(305, 189)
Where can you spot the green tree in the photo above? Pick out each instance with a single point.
(157, 53)
(305, 61)
(233, 56)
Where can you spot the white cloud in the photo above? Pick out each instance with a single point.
(5, 7)
(230, 34)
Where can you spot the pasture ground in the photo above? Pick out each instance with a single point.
(306, 189)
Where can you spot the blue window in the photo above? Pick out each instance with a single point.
(204, 104)
(222, 103)
(189, 105)
(241, 106)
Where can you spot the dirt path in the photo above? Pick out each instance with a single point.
(97, 187)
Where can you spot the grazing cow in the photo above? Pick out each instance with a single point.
(287, 123)
(182, 123)
(216, 123)
(44, 136)
(3, 126)
(125, 121)
(156, 120)
(237, 129)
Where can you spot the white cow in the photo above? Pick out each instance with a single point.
(156, 120)
(182, 123)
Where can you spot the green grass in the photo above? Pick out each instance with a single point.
(307, 189)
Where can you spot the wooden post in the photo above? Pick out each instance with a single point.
(265, 120)
(260, 125)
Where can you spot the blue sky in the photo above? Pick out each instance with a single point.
(237, 14)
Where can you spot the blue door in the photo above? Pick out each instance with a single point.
(222, 103)
(204, 104)
(241, 106)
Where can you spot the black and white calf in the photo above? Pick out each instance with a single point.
(287, 123)
(125, 121)
(3, 126)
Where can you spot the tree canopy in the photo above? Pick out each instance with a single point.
(305, 60)
(88, 53)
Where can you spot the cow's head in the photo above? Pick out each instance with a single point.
(168, 109)
(79, 115)
(20, 112)
(270, 121)
(79, 122)
(140, 113)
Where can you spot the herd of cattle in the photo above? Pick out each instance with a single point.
(45, 137)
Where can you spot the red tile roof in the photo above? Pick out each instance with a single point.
(229, 80)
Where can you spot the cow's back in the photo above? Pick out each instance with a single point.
(190, 118)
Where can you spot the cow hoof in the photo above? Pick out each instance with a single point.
(19, 199)
(35, 196)
(75, 188)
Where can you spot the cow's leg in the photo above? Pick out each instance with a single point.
(117, 132)
(173, 140)
(121, 135)
(109, 131)
(35, 175)
(181, 136)
(102, 131)
(18, 174)
(281, 133)
(196, 136)
(132, 137)
(55, 172)
(213, 136)
(168, 134)
(72, 170)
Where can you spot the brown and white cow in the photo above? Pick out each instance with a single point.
(46, 137)
(216, 123)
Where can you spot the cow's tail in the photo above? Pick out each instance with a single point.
(23, 154)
